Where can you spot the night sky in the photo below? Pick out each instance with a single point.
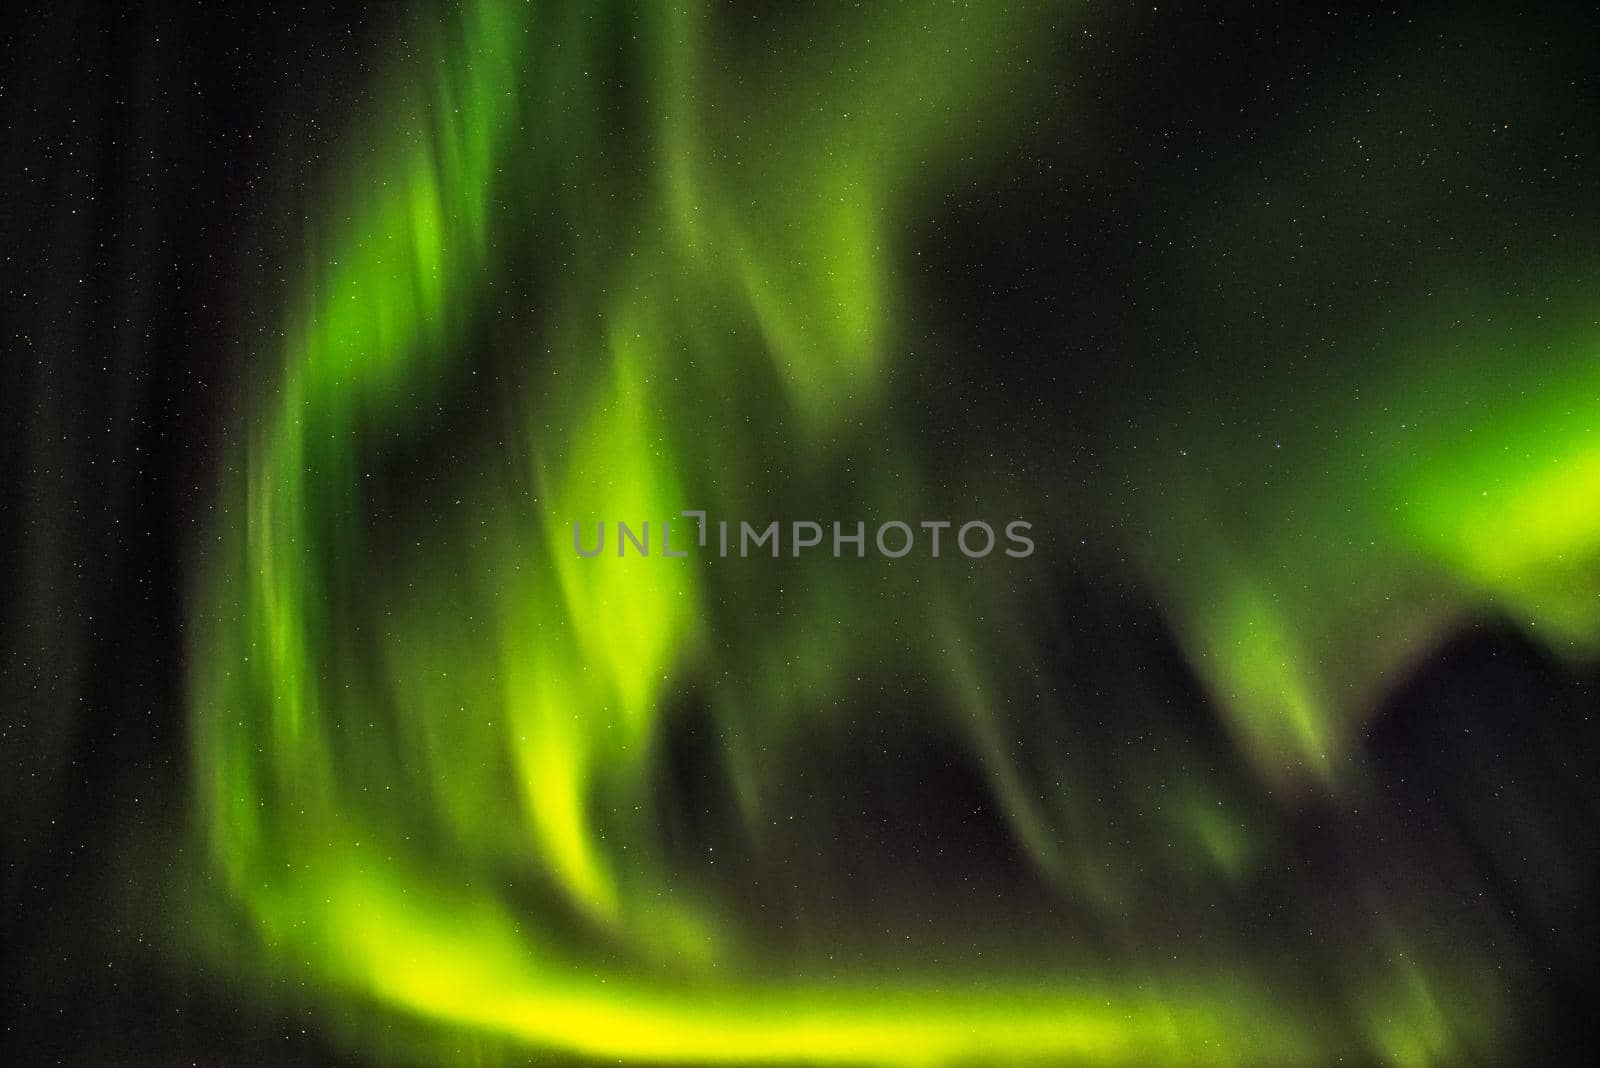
(324, 326)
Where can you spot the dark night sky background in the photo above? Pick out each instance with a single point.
(158, 158)
(138, 141)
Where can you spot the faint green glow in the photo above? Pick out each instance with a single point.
(1510, 504)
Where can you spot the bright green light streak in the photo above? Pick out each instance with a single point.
(522, 689)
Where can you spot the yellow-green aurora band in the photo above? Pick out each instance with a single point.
(425, 730)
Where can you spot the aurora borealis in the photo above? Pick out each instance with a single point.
(1280, 328)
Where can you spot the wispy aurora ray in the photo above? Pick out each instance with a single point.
(428, 736)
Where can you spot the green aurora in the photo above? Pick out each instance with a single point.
(585, 261)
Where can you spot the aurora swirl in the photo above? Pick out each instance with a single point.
(457, 794)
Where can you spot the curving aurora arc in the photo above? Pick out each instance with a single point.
(571, 267)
